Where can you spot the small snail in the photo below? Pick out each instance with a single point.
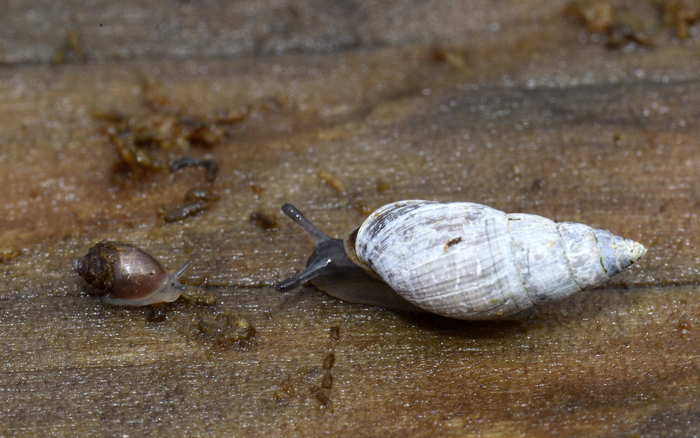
(124, 275)
(460, 260)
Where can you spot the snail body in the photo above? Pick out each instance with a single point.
(463, 260)
(124, 275)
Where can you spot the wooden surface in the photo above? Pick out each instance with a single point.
(349, 106)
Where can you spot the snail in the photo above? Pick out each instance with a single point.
(460, 260)
(125, 275)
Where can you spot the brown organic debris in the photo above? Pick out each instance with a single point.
(327, 381)
(148, 143)
(210, 166)
(597, 15)
(321, 396)
(256, 189)
(72, 49)
(196, 200)
(149, 140)
(680, 15)
(334, 334)
(537, 185)
(453, 58)
(198, 295)
(226, 330)
(136, 159)
(201, 194)
(452, 242)
(286, 391)
(361, 207)
(329, 361)
(332, 181)
(184, 211)
(203, 135)
(232, 116)
(620, 25)
(156, 314)
(683, 327)
(7, 254)
(263, 220)
(382, 186)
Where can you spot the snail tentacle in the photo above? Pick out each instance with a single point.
(318, 268)
(294, 214)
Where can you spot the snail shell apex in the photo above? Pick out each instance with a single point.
(469, 261)
(123, 274)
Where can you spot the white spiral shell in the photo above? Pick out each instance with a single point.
(469, 261)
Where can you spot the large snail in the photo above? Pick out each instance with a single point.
(461, 260)
(124, 275)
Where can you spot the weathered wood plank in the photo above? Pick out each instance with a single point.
(610, 140)
(43, 31)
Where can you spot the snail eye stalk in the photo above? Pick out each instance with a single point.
(327, 258)
(294, 214)
(316, 269)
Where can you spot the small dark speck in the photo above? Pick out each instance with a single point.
(321, 396)
(537, 185)
(156, 314)
(185, 211)
(329, 361)
(334, 334)
(452, 242)
(263, 220)
(327, 381)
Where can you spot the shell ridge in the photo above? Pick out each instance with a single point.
(530, 294)
(420, 272)
(570, 268)
(491, 278)
(421, 289)
(490, 310)
(381, 218)
(600, 254)
(488, 223)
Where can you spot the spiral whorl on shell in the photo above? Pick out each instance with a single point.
(469, 261)
(125, 275)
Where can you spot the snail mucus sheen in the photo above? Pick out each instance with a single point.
(124, 275)
(460, 260)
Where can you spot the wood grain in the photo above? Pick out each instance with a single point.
(530, 117)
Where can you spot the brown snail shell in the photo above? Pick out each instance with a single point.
(125, 275)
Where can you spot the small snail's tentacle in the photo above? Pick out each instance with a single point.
(178, 274)
(294, 214)
(211, 166)
(317, 268)
(183, 269)
(328, 256)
